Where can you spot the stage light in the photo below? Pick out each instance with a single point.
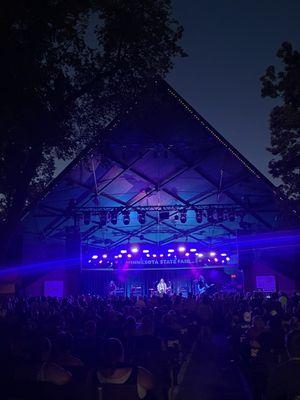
(200, 255)
(216, 259)
(100, 262)
(114, 217)
(171, 251)
(161, 255)
(145, 251)
(94, 257)
(126, 217)
(103, 218)
(86, 218)
(154, 255)
(223, 261)
(220, 214)
(142, 217)
(212, 253)
(169, 254)
(120, 256)
(129, 255)
(123, 251)
(104, 256)
(187, 254)
(181, 249)
(208, 260)
(193, 250)
(134, 250)
(231, 215)
(227, 258)
(199, 216)
(210, 215)
(147, 255)
(116, 256)
(183, 216)
(223, 254)
(90, 261)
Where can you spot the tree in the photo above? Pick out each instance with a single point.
(67, 68)
(285, 121)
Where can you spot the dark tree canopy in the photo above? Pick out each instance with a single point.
(67, 67)
(284, 85)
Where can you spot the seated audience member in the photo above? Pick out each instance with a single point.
(113, 371)
(284, 383)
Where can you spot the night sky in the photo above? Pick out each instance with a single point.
(230, 44)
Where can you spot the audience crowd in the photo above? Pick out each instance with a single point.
(90, 347)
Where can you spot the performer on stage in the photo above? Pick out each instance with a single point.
(161, 287)
(112, 288)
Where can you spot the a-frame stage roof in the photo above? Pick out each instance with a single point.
(160, 153)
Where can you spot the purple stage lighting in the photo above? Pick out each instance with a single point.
(100, 262)
(134, 250)
(161, 255)
(154, 255)
(120, 256)
(123, 251)
(171, 251)
(223, 254)
(104, 256)
(147, 255)
(129, 255)
(199, 255)
(181, 249)
(187, 254)
(145, 251)
(169, 254)
(193, 250)
(94, 257)
(227, 258)
(216, 259)
(90, 261)
(212, 253)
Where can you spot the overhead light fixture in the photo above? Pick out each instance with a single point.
(123, 251)
(126, 217)
(210, 215)
(104, 255)
(183, 216)
(193, 250)
(94, 257)
(134, 250)
(199, 216)
(86, 218)
(171, 251)
(212, 253)
(181, 249)
(114, 217)
(145, 251)
(142, 217)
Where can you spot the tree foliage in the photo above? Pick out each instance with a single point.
(284, 85)
(67, 68)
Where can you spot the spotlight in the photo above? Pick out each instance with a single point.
(147, 255)
(103, 218)
(100, 262)
(181, 249)
(126, 217)
(187, 254)
(116, 256)
(120, 256)
(169, 254)
(90, 261)
(183, 216)
(154, 255)
(220, 214)
(86, 218)
(142, 217)
(114, 217)
(193, 250)
(123, 251)
(134, 250)
(161, 255)
(129, 255)
(94, 257)
(199, 216)
(227, 258)
(210, 215)
(216, 259)
(223, 254)
(171, 251)
(104, 256)
(231, 215)
(212, 253)
(145, 251)
(200, 255)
